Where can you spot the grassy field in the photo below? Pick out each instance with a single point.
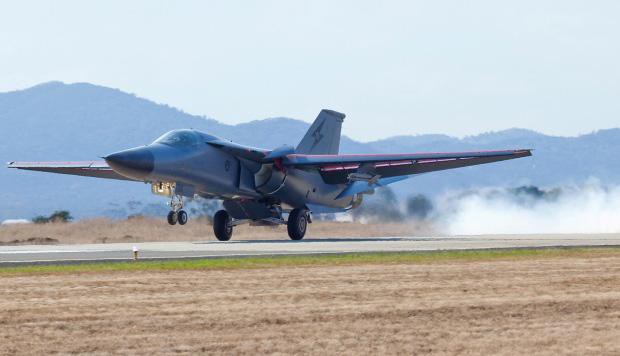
(150, 229)
(386, 258)
(552, 301)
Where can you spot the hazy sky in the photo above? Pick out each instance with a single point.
(394, 67)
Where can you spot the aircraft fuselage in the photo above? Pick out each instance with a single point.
(199, 168)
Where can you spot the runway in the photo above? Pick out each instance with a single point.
(56, 254)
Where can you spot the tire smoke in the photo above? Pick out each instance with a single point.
(590, 208)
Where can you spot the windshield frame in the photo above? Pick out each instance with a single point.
(180, 138)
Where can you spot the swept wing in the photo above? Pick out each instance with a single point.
(98, 169)
(345, 168)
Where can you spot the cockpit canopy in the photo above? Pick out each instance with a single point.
(180, 138)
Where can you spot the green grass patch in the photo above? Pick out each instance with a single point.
(317, 260)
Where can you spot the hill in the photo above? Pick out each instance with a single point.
(57, 121)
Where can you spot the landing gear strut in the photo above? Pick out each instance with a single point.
(177, 214)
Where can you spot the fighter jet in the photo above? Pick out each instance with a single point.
(261, 186)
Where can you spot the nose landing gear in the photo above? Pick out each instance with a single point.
(173, 217)
(182, 217)
(177, 214)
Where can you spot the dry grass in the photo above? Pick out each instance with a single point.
(149, 229)
(535, 305)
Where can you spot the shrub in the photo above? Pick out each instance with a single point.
(40, 219)
(62, 216)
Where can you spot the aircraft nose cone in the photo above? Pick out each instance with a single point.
(135, 163)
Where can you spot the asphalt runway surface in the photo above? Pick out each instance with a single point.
(60, 254)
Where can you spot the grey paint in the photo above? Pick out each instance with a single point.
(255, 183)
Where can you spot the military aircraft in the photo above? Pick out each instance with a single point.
(261, 186)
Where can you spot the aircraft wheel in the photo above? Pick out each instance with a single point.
(173, 217)
(297, 224)
(182, 217)
(222, 225)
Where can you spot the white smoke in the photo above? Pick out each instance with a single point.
(590, 208)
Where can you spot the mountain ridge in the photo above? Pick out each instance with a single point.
(89, 86)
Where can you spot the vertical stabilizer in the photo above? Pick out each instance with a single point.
(323, 137)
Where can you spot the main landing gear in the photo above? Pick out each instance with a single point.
(222, 225)
(297, 224)
(177, 214)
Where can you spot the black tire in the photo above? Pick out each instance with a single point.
(172, 217)
(222, 225)
(182, 217)
(297, 224)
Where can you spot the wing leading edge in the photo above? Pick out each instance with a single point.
(340, 169)
(98, 169)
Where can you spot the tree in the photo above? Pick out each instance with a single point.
(419, 206)
(380, 207)
(204, 208)
(60, 216)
